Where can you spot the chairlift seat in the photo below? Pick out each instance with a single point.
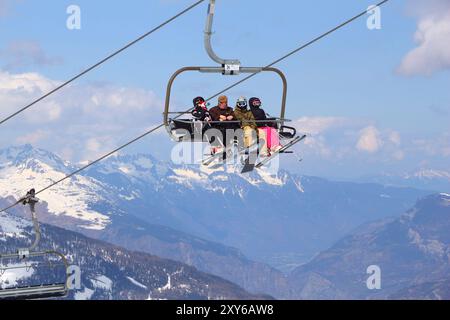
(58, 290)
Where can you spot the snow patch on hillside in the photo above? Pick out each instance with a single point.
(270, 179)
(12, 227)
(69, 198)
(429, 174)
(102, 282)
(136, 283)
(11, 277)
(86, 294)
(168, 286)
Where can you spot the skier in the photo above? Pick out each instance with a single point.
(268, 135)
(200, 111)
(248, 124)
(222, 112)
(224, 119)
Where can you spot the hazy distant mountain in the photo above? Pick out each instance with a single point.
(110, 272)
(436, 180)
(413, 253)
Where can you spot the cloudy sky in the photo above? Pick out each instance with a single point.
(372, 101)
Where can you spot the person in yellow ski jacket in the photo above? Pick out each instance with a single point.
(248, 123)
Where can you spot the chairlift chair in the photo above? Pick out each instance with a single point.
(192, 130)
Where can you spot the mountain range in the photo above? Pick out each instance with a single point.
(244, 228)
(427, 179)
(412, 252)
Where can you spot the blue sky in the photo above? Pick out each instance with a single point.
(370, 102)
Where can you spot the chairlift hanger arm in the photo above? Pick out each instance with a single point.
(208, 43)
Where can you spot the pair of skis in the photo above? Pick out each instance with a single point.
(252, 154)
(226, 151)
(251, 165)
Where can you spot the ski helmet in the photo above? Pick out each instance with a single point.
(198, 101)
(255, 102)
(242, 103)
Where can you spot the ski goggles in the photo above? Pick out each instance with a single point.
(256, 103)
(202, 104)
(242, 104)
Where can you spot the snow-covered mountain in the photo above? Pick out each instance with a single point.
(100, 208)
(23, 168)
(265, 216)
(437, 180)
(109, 272)
(187, 213)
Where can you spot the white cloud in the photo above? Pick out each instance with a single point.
(80, 121)
(318, 125)
(334, 138)
(395, 138)
(17, 90)
(25, 53)
(93, 145)
(398, 155)
(438, 146)
(432, 53)
(369, 140)
(26, 83)
(33, 137)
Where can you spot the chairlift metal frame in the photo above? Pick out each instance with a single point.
(228, 67)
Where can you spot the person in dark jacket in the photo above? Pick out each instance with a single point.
(268, 135)
(200, 111)
(222, 112)
(223, 117)
(258, 113)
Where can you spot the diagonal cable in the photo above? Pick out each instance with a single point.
(98, 64)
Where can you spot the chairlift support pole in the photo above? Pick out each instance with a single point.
(40, 291)
(31, 201)
(229, 66)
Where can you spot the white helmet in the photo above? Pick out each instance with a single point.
(242, 103)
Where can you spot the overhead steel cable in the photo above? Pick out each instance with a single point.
(98, 64)
(302, 47)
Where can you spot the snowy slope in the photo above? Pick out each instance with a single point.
(23, 168)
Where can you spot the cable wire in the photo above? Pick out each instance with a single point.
(98, 64)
